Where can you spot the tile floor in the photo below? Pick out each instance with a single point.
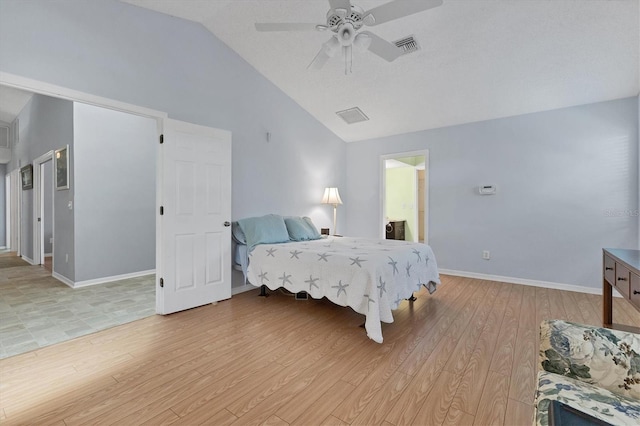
(37, 310)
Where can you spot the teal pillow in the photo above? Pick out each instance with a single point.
(315, 235)
(269, 229)
(301, 229)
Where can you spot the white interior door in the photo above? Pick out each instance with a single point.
(194, 236)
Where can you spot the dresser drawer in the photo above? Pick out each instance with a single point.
(623, 276)
(634, 295)
(609, 270)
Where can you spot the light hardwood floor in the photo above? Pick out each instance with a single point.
(465, 355)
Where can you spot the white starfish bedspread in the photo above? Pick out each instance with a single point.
(370, 276)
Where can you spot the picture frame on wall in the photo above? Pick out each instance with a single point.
(62, 168)
(26, 175)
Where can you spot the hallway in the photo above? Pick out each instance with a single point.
(36, 310)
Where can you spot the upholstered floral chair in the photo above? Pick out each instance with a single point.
(594, 370)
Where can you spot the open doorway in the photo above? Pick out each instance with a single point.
(404, 196)
(43, 212)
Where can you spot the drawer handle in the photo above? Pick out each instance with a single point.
(608, 269)
(622, 279)
(636, 292)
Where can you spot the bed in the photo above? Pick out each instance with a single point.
(370, 276)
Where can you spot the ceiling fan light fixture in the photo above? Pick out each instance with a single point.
(362, 42)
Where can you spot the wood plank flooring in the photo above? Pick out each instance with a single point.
(465, 355)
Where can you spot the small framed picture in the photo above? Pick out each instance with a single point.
(62, 168)
(26, 173)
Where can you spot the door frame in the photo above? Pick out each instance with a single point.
(38, 208)
(383, 189)
(60, 92)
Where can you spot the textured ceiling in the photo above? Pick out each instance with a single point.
(479, 59)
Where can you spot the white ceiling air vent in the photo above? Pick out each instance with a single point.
(408, 44)
(352, 115)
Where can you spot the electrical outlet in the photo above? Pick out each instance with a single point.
(486, 254)
(66, 258)
(50, 240)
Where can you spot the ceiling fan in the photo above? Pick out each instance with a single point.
(346, 21)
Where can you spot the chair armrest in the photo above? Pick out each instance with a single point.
(595, 355)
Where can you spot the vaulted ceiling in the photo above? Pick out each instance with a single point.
(479, 59)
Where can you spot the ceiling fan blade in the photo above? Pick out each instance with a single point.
(328, 50)
(287, 27)
(340, 4)
(397, 9)
(319, 61)
(381, 47)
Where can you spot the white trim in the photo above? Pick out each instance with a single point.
(48, 255)
(525, 281)
(62, 278)
(30, 85)
(28, 260)
(112, 278)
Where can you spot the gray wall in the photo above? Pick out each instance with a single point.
(3, 206)
(122, 52)
(115, 192)
(46, 124)
(565, 180)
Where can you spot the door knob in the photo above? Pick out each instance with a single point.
(227, 223)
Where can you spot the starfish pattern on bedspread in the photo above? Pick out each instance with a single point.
(323, 256)
(285, 279)
(357, 261)
(341, 288)
(312, 282)
(382, 286)
(369, 300)
(394, 264)
(360, 273)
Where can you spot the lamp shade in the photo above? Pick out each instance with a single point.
(331, 196)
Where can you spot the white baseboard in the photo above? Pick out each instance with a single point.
(28, 260)
(524, 281)
(48, 255)
(62, 278)
(112, 278)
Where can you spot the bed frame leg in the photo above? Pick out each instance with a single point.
(263, 291)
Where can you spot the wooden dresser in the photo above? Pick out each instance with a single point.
(620, 269)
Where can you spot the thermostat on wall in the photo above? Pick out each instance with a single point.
(487, 189)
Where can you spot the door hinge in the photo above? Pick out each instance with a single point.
(161, 210)
(161, 282)
(161, 139)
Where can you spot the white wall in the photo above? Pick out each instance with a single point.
(565, 179)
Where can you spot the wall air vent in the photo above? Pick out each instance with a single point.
(408, 44)
(352, 115)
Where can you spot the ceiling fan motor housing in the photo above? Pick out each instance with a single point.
(336, 18)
